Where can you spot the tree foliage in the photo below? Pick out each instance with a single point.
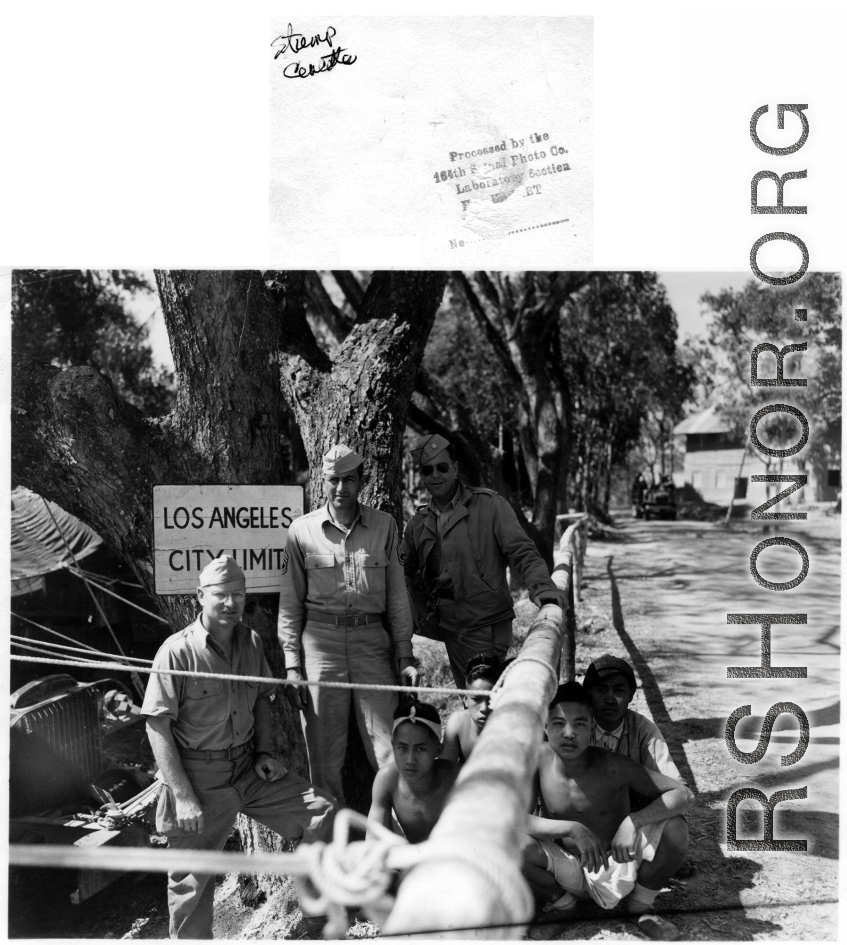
(80, 317)
(740, 320)
(547, 379)
(618, 340)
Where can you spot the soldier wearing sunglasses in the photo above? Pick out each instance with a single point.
(455, 552)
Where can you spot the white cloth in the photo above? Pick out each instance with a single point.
(606, 886)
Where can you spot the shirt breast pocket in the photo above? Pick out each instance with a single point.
(205, 701)
(320, 571)
(373, 575)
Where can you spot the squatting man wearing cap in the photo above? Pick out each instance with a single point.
(589, 843)
(611, 685)
(455, 552)
(341, 582)
(212, 741)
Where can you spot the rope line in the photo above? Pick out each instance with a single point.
(111, 580)
(58, 646)
(157, 860)
(400, 856)
(55, 632)
(78, 572)
(259, 679)
(307, 859)
(135, 678)
(35, 649)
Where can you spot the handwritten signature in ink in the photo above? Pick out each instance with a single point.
(297, 42)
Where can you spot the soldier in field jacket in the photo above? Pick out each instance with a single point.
(455, 552)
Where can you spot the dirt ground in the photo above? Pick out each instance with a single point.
(658, 594)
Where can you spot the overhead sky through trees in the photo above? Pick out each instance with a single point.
(684, 290)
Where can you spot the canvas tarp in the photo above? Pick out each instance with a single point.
(37, 545)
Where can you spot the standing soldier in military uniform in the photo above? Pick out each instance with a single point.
(342, 589)
(455, 552)
(212, 741)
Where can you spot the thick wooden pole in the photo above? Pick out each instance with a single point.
(568, 560)
(471, 878)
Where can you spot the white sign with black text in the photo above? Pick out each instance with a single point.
(193, 524)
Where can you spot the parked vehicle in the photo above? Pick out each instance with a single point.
(658, 501)
(59, 791)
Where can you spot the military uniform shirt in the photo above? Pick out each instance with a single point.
(211, 714)
(337, 570)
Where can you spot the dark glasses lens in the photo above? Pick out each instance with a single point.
(441, 467)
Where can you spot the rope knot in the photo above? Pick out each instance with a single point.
(349, 873)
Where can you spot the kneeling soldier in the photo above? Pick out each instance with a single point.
(212, 741)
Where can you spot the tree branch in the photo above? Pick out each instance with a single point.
(321, 304)
(349, 285)
(494, 337)
(390, 313)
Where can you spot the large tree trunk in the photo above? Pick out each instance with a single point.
(360, 397)
(238, 348)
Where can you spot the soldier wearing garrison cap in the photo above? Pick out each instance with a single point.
(213, 743)
(342, 610)
(455, 552)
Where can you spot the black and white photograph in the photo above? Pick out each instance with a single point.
(423, 445)
(476, 527)
(479, 167)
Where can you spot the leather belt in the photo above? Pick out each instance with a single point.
(207, 755)
(344, 620)
(448, 593)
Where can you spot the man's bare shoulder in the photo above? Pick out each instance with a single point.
(387, 778)
(546, 756)
(458, 722)
(617, 768)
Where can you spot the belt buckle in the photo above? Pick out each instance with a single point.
(233, 753)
